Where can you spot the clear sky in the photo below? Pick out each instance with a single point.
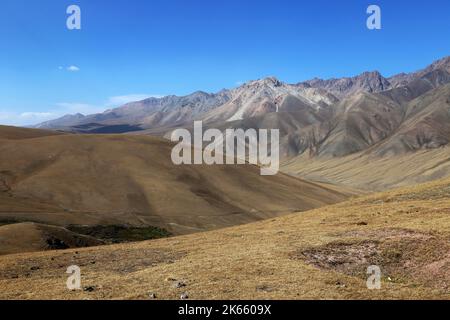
(130, 49)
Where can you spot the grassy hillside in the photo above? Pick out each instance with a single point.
(30, 237)
(319, 254)
(124, 179)
(369, 172)
(15, 133)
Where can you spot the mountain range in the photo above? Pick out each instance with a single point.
(105, 180)
(365, 133)
(321, 118)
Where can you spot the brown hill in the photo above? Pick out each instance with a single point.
(15, 133)
(426, 125)
(260, 97)
(353, 125)
(413, 148)
(29, 237)
(320, 254)
(95, 179)
(418, 86)
(359, 122)
(371, 172)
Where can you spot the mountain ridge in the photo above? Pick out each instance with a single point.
(169, 109)
(325, 118)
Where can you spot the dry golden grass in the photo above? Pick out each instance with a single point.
(308, 255)
(15, 133)
(368, 172)
(32, 237)
(126, 179)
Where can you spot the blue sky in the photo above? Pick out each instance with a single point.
(130, 49)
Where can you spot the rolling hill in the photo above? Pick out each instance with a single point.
(31, 237)
(320, 254)
(15, 133)
(370, 172)
(125, 179)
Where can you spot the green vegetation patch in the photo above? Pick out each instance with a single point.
(120, 233)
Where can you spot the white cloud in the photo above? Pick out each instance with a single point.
(111, 102)
(59, 110)
(64, 108)
(25, 118)
(5, 116)
(73, 69)
(33, 115)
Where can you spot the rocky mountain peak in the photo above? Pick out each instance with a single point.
(442, 62)
(271, 82)
(369, 81)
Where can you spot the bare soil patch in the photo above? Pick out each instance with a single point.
(403, 256)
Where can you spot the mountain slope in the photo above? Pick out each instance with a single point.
(269, 95)
(30, 237)
(360, 121)
(426, 124)
(370, 172)
(374, 82)
(125, 179)
(418, 86)
(253, 99)
(320, 254)
(404, 79)
(15, 133)
(140, 115)
(413, 148)
(63, 122)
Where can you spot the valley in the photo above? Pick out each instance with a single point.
(364, 179)
(124, 180)
(319, 254)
